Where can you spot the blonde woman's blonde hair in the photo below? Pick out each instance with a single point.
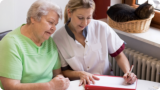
(40, 8)
(76, 4)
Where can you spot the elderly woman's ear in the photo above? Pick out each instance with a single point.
(32, 20)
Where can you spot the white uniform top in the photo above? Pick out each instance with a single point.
(92, 58)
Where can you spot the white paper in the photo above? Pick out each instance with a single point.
(74, 85)
(111, 81)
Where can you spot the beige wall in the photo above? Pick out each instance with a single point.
(13, 12)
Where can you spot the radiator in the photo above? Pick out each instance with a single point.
(145, 67)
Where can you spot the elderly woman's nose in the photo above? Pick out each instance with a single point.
(53, 27)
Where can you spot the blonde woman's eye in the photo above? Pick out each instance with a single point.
(89, 18)
(80, 18)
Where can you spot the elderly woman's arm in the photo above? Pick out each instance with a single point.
(55, 84)
(57, 72)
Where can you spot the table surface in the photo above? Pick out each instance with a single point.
(141, 85)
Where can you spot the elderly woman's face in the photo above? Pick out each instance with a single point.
(44, 28)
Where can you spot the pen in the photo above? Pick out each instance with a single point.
(130, 70)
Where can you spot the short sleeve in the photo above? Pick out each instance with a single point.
(63, 61)
(114, 42)
(57, 64)
(10, 60)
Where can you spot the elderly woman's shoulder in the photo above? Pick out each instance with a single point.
(10, 40)
(11, 35)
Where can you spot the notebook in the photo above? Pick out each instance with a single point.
(111, 83)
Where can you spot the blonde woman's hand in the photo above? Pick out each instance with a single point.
(87, 78)
(130, 78)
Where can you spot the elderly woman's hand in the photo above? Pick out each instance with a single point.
(59, 83)
(130, 79)
(87, 78)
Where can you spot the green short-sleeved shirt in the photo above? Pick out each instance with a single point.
(22, 59)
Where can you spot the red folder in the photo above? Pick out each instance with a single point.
(116, 84)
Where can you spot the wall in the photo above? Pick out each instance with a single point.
(6, 15)
(14, 12)
(20, 11)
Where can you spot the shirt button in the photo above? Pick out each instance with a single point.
(88, 67)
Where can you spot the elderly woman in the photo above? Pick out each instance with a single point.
(29, 60)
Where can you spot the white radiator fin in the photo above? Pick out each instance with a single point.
(145, 67)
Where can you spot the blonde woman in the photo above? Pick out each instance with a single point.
(84, 44)
(29, 60)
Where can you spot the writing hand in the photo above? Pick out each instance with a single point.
(130, 78)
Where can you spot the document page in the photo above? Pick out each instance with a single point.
(74, 85)
(113, 81)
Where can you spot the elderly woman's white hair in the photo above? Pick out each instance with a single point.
(40, 8)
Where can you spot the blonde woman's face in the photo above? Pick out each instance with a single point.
(44, 28)
(80, 18)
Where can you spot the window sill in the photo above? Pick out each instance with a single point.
(152, 36)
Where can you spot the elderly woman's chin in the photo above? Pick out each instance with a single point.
(47, 35)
